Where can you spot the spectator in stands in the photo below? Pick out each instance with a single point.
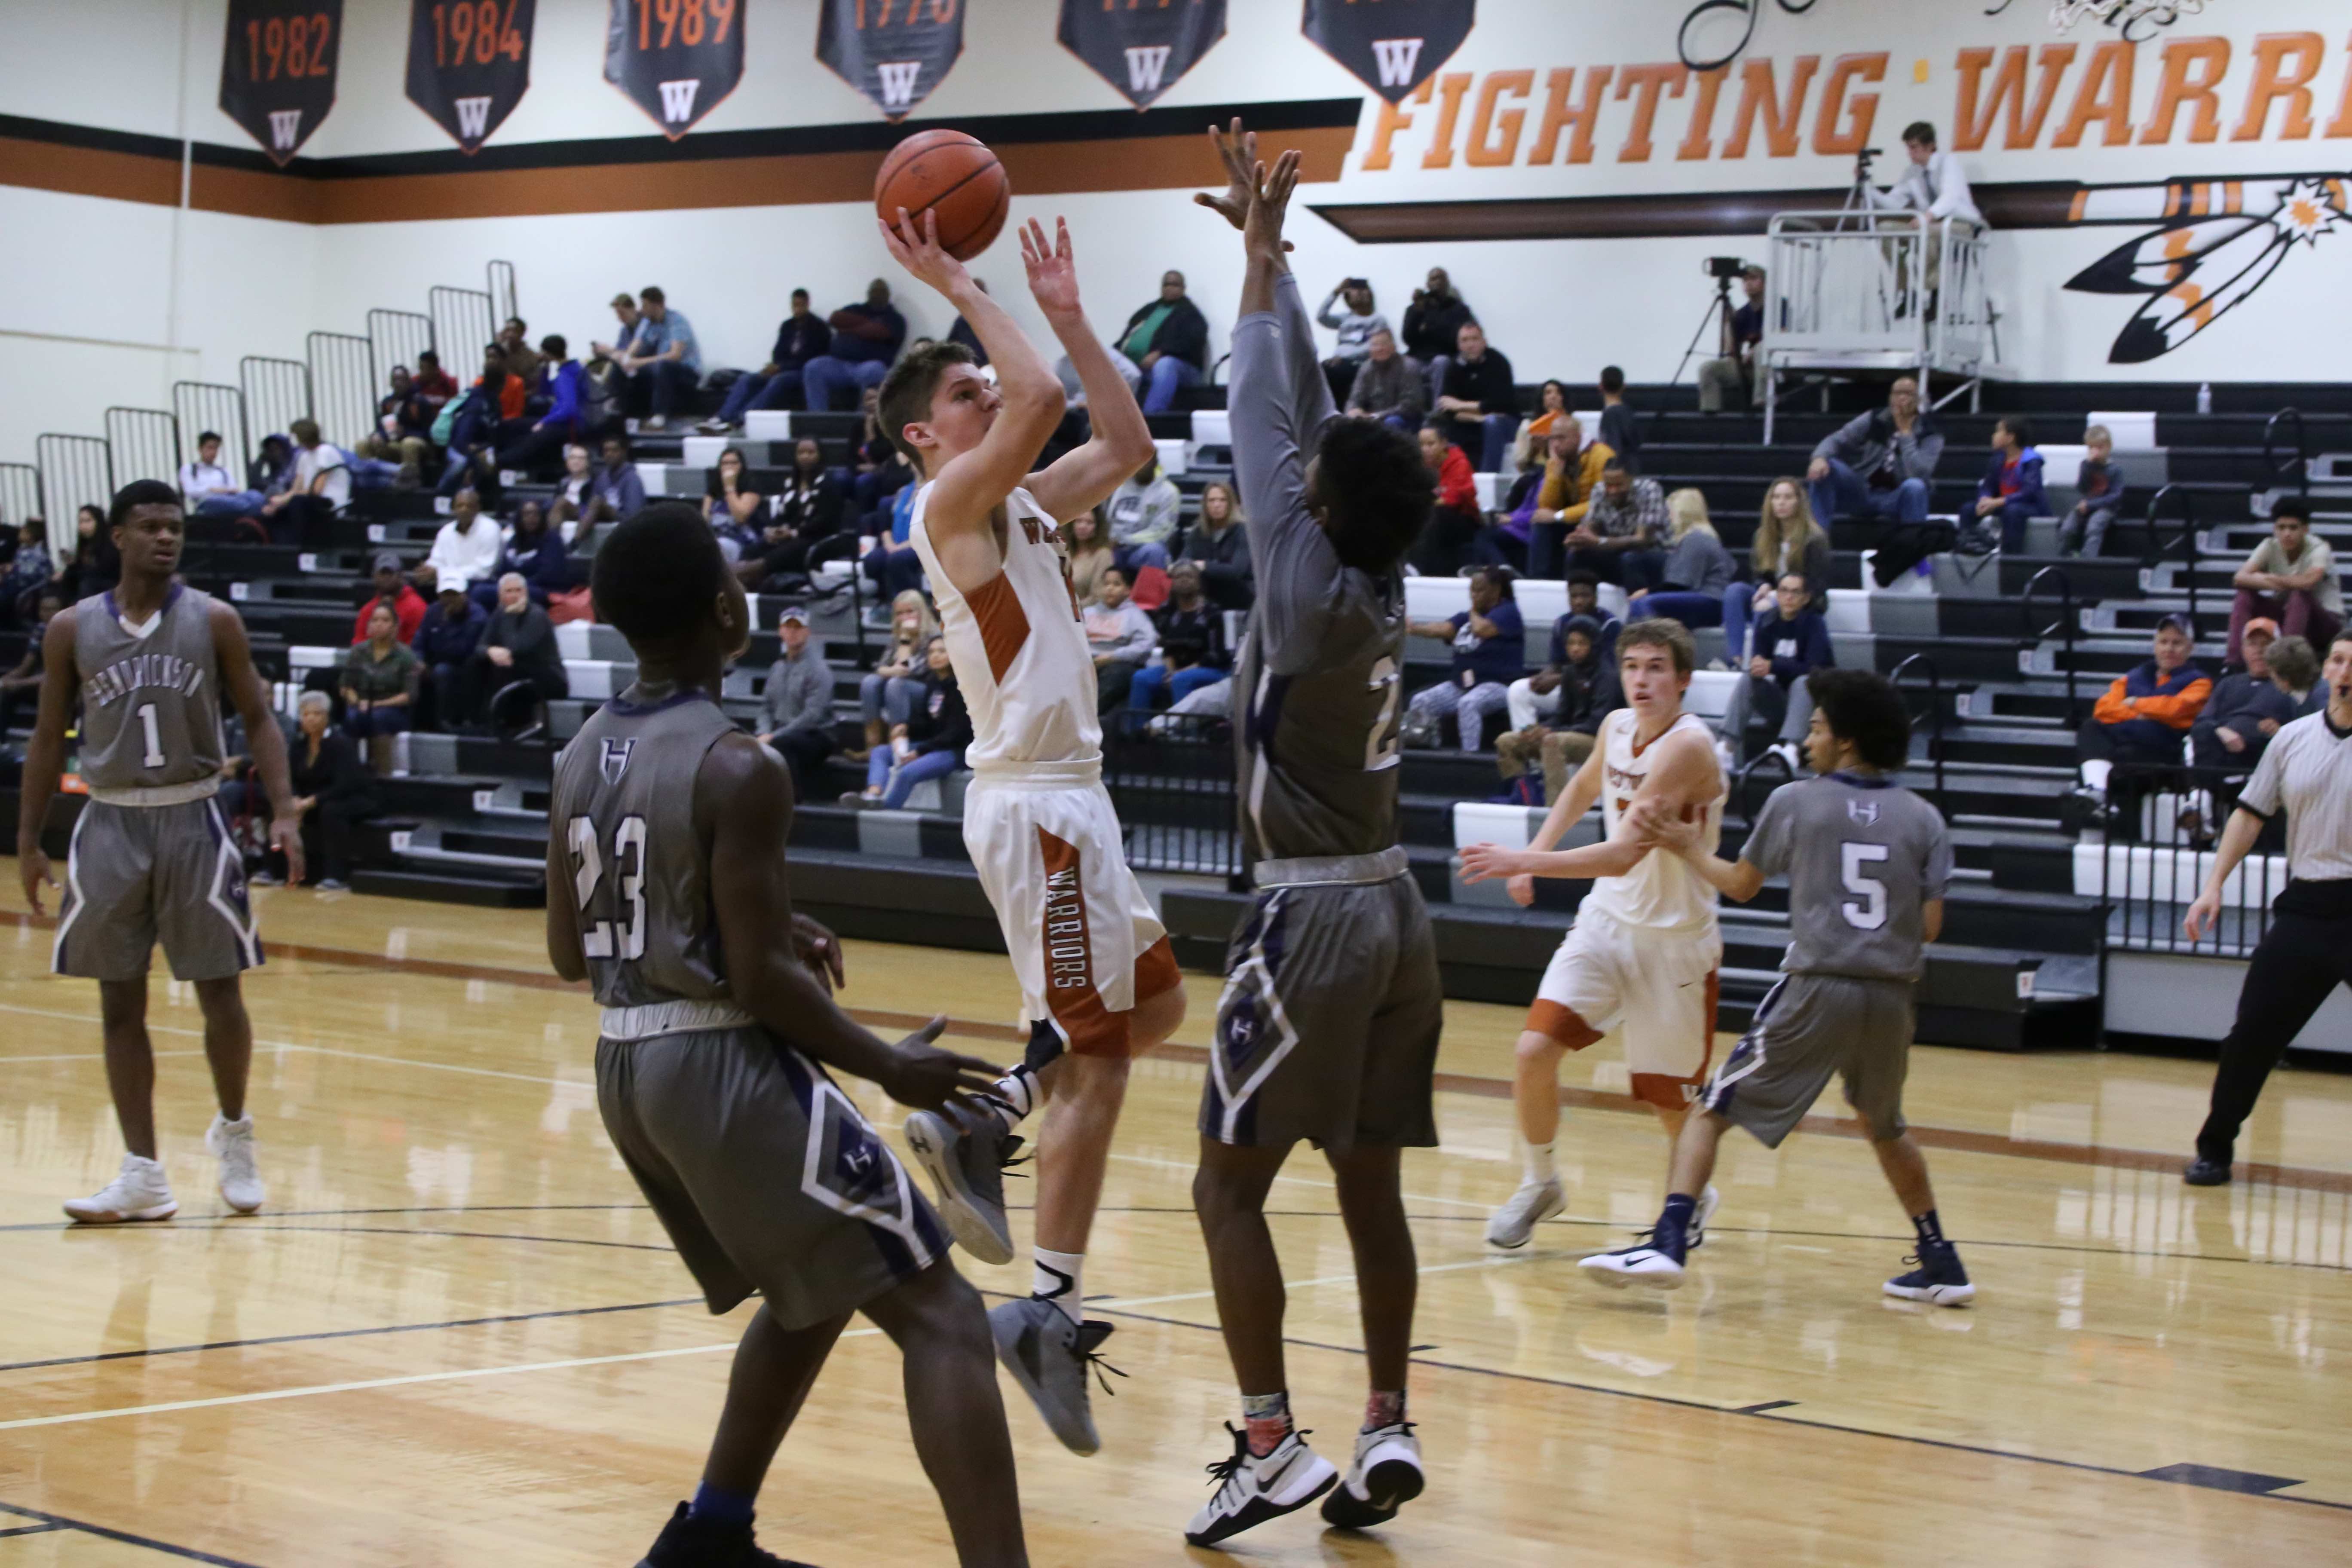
(1879, 465)
(963, 332)
(2247, 708)
(1191, 644)
(777, 383)
(378, 683)
(445, 640)
(95, 565)
(1574, 470)
(1791, 642)
(1120, 636)
(2290, 577)
(271, 472)
(1478, 404)
(333, 793)
(1143, 512)
(1489, 653)
(866, 337)
(403, 428)
(407, 605)
(1697, 571)
(663, 362)
(796, 703)
(515, 339)
(557, 404)
(929, 745)
(733, 507)
(1432, 322)
(2084, 531)
(603, 398)
(2143, 716)
(20, 687)
(624, 310)
(1387, 386)
(1787, 540)
(465, 552)
(209, 489)
(517, 644)
(1551, 407)
(893, 565)
(1446, 543)
(878, 471)
(1219, 544)
(492, 410)
(322, 488)
(1169, 341)
(1620, 432)
(1555, 712)
(30, 567)
(1584, 599)
(1091, 556)
(1934, 187)
(2011, 487)
(434, 386)
(534, 551)
(615, 493)
(2295, 669)
(808, 511)
(571, 502)
(885, 691)
(1625, 520)
(1734, 376)
(1355, 326)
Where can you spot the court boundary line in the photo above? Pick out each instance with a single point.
(59, 1521)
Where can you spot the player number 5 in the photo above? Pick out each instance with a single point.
(600, 939)
(1871, 913)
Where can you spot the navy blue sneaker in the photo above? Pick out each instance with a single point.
(686, 1542)
(1939, 1281)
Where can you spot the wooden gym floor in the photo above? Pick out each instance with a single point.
(454, 1336)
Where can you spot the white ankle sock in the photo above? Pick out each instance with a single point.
(1016, 1094)
(1538, 1165)
(2096, 773)
(1055, 1277)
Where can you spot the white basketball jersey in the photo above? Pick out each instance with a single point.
(1019, 649)
(1661, 891)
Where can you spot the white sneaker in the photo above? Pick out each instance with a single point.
(1787, 752)
(1252, 1490)
(656, 421)
(1641, 1265)
(138, 1192)
(240, 1179)
(1726, 757)
(1695, 1233)
(1386, 1476)
(1515, 1221)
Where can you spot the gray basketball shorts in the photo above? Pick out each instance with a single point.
(763, 1173)
(1808, 1027)
(137, 874)
(1329, 1025)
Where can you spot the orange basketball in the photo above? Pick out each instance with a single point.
(953, 174)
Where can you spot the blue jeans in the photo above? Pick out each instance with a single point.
(1156, 682)
(928, 765)
(1164, 380)
(884, 697)
(753, 390)
(1129, 558)
(2013, 527)
(1738, 609)
(1841, 492)
(245, 504)
(832, 383)
(1692, 610)
(661, 384)
(893, 569)
(1499, 429)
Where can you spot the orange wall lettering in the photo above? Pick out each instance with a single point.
(1394, 116)
(1578, 122)
(1971, 127)
(1760, 97)
(1644, 84)
(2193, 67)
(2274, 79)
(1699, 142)
(2104, 99)
(1495, 143)
(1450, 88)
(1858, 112)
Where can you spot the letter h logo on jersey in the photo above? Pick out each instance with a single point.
(1865, 812)
(613, 761)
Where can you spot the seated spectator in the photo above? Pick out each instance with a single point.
(333, 793)
(20, 687)
(1454, 525)
(929, 745)
(1735, 377)
(2247, 708)
(2143, 716)
(796, 702)
(1697, 568)
(2084, 529)
(1555, 712)
(1489, 653)
(1355, 326)
(1787, 540)
(322, 488)
(1090, 557)
(1572, 472)
(624, 310)
(1625, 524)
(2291, 578)
(1191, 644)
(571, 502)
(515, 339)
(379, 684)
(615, 493)
(466, 550)
(1879, 465)
(664, 362)
(809, 509)
(434, 386)
(2012, 488)
(604, 399)
(1143, 512)
(517, 644)
(1620, 431)
(1386, 386)
(893, 565)
(1120, 636)
(492, 410)
(1433, 321)
(1551, 407)
(95, 564)
(271, 472)
(777, 383)
(1584, 599)
(403, 428)
(885, 691)
(865, 338)
(445, 641)
(1169, 341)
(880, 466)
(733, 507)
(1219, 544)
(561, 421)
(209, 489)
(2295, 669)
(1791, 642)
(534, 551)
(407, 605)
(30, 567)
(1478, 404)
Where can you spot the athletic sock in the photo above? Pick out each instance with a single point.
(1267, 1419)
(1931, 1232)
(1383, 1407)
(2096, 772)
(1016, 1094)
(1671, 1234)
(721, 1506)
(1054, 1277)
(1539, 1167)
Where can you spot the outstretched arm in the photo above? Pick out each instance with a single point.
(1121, 441)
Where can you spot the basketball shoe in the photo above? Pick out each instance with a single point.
(965, 1154)
(686, 1542)
(1049, 1356)
(1708, 1202)
(1386, 1476)
(1514, 1225)
(1254, 1488)
(240, 1179)
(138, 1192)
(1939, 1279)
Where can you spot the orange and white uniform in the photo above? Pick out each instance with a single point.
(1085, 941)
(1645, 948)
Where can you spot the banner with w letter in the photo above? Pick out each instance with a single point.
(470, 63)
(676, 59)
(1392, 48)
(278, 70)
(893, 51)
(1142, 49)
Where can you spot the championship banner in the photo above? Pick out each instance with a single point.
(1142, 50)
(893, 51)
(470, 63)
(1392, 48)
(278, 70)
(676, 59)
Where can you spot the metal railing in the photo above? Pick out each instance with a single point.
(2157, 548)
(503, 301)
(20, 494)
(144, 444)
(76, 471)
(464, 322)
(277, 393)
(2064, 628)
(2297, 463)
(342, 386)
(1170, 776)
(2157, 849)
(399, 336)
(1935, 714)
(1745, 783)
(213, 406)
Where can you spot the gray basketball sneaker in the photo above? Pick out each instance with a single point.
(1049, 1356)
(965, 1152)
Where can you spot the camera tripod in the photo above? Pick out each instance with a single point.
(1719, 310)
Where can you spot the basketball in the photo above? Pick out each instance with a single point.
(953, 174)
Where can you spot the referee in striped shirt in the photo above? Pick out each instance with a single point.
(2307, 951)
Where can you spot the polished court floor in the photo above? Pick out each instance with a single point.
(456, 1337)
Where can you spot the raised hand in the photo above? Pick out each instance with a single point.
(918, 252)
(1238, 150)
(1052, 271)
(1269, 204)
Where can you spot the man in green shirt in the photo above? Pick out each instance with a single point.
(1168, 340)
(2291, 578)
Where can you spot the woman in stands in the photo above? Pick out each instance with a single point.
(1698, 568)
(96, 566)
(379, 685)
(1787, 540)
(331, 791)
(733, 507)
(1220, 543)
(29, 570)
(927, 745)
(809, 508)
(1528, 448)
(1091, 556)
(534, 551)
(887, 690)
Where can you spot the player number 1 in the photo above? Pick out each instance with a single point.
(154, 757)
(1871, 913)
(601, 940)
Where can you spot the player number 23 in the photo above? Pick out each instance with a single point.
(1870, 913)
(601, 940)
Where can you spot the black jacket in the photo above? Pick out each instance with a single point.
(1488, 383)
(815, 514)
(531, 640)
(336, 778)
(1183, 335)
(1227, 573)
(800, 340)
(1192, 636)
(938, 720)
(1429, 330)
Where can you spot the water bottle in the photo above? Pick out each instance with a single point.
(2204, 397)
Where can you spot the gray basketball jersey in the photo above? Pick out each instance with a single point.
(1862, 855)
(151, 705)
(1321, 719)
(623, 812)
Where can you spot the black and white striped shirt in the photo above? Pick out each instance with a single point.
(2307, 770)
